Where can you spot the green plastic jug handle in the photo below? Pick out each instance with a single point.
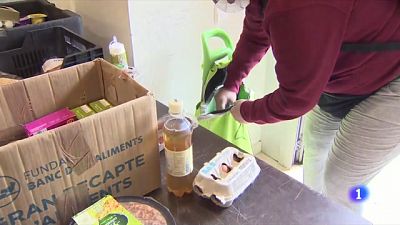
(210, 56)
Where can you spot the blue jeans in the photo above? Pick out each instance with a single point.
(342, 153)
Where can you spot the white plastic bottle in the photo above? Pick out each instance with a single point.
(118, 54)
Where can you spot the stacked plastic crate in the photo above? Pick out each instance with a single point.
(24, 49)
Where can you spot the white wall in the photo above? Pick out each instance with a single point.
(167, 46)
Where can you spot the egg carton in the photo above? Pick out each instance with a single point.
(226, 176)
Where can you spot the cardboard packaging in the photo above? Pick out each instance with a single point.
(48, 178)
(6, 78)
(4, 81)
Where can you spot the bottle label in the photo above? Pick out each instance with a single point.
(179, 163)
(119, 60)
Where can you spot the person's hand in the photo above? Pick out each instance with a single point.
(224, 97)
(235, 111)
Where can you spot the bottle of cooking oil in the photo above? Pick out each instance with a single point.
(178, 150)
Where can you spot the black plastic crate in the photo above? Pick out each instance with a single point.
(41, 45)
(13, 38)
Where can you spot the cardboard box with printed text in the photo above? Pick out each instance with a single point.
(47, 178)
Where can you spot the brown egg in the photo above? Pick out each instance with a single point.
(225, 168)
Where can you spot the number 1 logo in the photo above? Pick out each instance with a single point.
(358, 190)
(359, 193)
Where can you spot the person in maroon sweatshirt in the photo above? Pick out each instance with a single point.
(339, 60)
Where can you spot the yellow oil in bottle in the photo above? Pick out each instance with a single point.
(177, 133)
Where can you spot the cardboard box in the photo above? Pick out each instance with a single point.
(48, 178)
(4, 81)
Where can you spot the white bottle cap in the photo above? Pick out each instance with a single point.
(175, 107)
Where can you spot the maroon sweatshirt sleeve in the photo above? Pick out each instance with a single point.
(306, 42)
(252, 46)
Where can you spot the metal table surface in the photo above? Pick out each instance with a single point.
(274, 197)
